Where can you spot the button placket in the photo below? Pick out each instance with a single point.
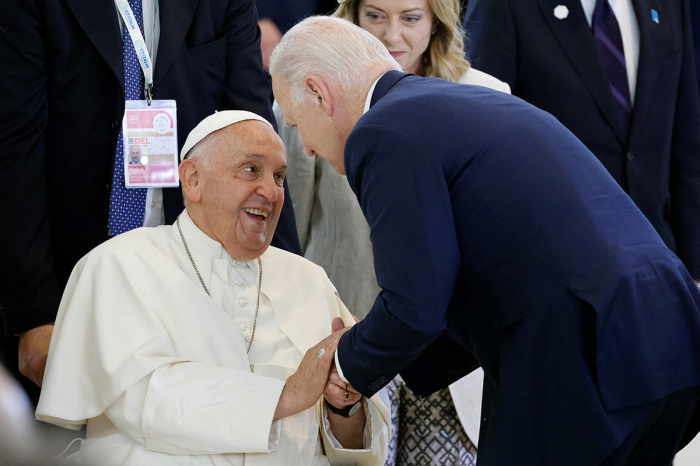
(241, 286)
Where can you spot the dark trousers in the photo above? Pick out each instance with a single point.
(669, 425)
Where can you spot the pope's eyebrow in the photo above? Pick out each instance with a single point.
(255, 155)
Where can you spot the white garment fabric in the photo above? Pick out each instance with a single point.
(159, 371)
(629, 30)
(479, 78)
(334, 234)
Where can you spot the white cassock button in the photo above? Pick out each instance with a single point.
(561, 12)
(239, 282)
(243, 302)
(153, 203)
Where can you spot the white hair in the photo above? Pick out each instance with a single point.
(329, 47)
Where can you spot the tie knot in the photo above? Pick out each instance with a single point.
(599, 5)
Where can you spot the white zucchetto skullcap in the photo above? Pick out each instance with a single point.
(215, 122)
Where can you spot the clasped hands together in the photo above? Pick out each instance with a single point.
(316, 376)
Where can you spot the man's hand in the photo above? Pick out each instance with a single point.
(337, 392)
(306, 385)
(33, 350)
(347, 430)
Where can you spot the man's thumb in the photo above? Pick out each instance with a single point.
(337, 324)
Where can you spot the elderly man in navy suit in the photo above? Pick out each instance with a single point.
(500, 241)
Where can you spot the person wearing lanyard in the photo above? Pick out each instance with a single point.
(64, 87)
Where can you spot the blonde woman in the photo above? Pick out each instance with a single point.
(425, 38)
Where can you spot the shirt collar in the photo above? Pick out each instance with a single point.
(197, 239)
(368, 100)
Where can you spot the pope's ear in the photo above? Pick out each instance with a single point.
(189, 177)
(321, 92)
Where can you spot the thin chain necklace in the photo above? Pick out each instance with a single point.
(196, 270)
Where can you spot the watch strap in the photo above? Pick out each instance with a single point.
(346, 411)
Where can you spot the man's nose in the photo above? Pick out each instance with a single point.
(268, 188)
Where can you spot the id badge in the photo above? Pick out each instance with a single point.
(150, 144)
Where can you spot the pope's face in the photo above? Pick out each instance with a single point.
(241, 188)
(321, 134)
(135, 153)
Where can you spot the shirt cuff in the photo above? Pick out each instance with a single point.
(275, 431)
(337, 366)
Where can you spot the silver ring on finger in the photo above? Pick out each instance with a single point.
(321, 352)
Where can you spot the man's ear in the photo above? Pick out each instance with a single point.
(189, 177)
(322, 93)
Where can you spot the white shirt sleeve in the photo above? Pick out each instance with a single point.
(375, 438)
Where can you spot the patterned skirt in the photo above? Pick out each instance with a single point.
(426, 432)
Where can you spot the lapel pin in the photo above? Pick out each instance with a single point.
(561, 12)
(655, 16)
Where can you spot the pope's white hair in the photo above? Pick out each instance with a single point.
(330, 47)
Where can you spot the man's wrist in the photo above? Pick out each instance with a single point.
(347, 411)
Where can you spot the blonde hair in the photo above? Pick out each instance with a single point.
(329, 47)
(444, 57)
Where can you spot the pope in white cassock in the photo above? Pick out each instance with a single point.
(197, 343)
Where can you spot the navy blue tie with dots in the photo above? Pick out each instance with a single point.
(127, 206)
(606, 32)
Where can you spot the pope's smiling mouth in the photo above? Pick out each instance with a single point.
(256, 212)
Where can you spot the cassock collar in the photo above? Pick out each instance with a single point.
(197, 239)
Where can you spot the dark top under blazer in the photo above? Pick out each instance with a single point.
(61, 106)
(553, 64)
(485, 214)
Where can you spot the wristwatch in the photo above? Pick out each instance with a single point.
(346, 411)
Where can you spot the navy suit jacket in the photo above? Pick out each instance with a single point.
(485, 214)
(695, 21)
(553, 64)
(61, 106)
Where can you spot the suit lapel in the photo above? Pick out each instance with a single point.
(98, 18)
(651, 38)
(575, 37)
(175, 19)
